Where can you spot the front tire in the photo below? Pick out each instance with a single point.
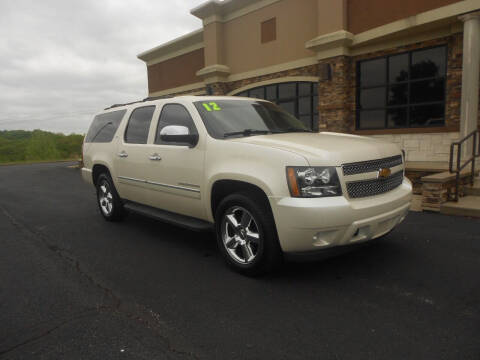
(108, 200)
(246, 234)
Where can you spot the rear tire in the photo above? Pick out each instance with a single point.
(246, 234)
(108, 200)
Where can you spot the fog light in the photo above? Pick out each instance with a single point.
(324, 238)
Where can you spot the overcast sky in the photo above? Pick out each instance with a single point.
(63, 60)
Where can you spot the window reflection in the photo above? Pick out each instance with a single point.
(407, 89)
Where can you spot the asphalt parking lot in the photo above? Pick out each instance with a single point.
(73, 286)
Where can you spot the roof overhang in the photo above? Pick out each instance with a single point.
(222, 11)
(181, 45)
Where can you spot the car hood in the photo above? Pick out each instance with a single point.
(326, 148)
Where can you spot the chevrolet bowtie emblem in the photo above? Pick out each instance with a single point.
(384, 173)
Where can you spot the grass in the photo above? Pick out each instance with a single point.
(31, 162)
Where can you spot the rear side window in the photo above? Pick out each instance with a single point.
(138, 125)
(104, 126)
(174, 114)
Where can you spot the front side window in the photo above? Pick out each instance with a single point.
(139, 125)
(174, 114)
(297, 98)
(236, 118)
(104, 126)
(402, 90)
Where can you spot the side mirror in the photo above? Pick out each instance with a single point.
(178, 135)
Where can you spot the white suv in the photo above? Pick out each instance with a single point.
(269, 186)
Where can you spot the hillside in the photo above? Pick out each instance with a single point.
(37, 145)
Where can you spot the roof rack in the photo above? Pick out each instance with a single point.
(118, 105)
(158, 97)
(140, 101)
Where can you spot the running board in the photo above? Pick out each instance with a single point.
(169, 217)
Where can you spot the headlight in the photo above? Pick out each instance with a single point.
(305, 181)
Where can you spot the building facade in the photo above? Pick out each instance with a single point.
(406, 71)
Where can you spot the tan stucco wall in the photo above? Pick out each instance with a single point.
(332, 16)
(214, 39)
(296, 24)
(175, 72)
(367, 14)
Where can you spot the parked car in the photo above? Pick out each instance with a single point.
(268, 186)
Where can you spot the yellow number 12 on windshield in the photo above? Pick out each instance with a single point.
(212, 106)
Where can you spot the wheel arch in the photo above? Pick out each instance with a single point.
(98, 169)
(224, 187)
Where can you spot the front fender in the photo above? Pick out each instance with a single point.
(257, 165)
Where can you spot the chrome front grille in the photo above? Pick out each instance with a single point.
(371, 165)
(364, 188)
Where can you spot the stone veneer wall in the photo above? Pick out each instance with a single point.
(423, 147)
(336, 96)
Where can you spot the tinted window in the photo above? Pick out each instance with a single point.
(174, 114)
(271, 93)
(138, 125)
(298, 98)
(402, 90)
(287, 90)
(305, 106)
(304, 89)
(104, 126)
(429, 63)
(258, 93)
(398, 68)
(372, 119)
(373, 98)
(398, 94)
(373, 72)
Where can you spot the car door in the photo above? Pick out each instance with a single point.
(131, 159)
(176, 171)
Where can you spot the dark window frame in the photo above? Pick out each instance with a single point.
(158, 124)
(409, 105)
(128, 124)
(314, 123)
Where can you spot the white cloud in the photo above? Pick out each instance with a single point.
(62, 61)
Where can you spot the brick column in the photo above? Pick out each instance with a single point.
(335, 96)
(218, 88)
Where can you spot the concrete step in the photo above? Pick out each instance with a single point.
(466, 206)
(473, 189)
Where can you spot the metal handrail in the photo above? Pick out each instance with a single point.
(475, 153)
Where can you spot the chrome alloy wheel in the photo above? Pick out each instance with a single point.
(240, 235)
(105, 198)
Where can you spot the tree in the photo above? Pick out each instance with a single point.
(41, 146)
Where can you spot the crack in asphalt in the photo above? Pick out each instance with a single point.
(47, 332)
(136, 312)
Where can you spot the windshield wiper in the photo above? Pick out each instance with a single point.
(246, 132)
(291, 130)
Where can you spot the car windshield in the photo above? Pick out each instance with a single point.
(238, 118)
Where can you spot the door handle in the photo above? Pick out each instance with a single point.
(122, 154)
(155, 157)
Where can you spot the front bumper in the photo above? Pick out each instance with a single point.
(312, 224)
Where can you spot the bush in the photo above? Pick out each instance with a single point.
(37, 145)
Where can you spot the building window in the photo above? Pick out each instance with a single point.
(298, 98)
(402, 90)
(268, 30)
